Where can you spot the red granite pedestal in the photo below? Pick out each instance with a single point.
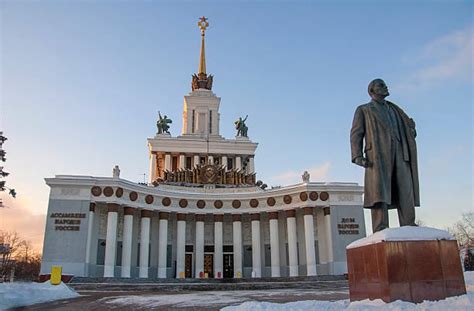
(405, 270)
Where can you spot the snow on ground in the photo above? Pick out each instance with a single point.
(464, 302)
(210, 298)
(24, 294)
(247, 300)
(405, 233)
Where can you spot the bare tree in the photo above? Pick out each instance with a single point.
(463, 230)
(17, 256)
(10, 244)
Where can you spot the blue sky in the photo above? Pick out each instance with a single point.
(81, 84)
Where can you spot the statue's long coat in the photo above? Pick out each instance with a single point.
(371, 123)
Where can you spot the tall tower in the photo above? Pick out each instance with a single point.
(175, 159)
(201, 107)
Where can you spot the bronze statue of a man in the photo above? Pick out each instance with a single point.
(383, 142)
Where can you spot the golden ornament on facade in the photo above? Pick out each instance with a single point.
(218, 204)
(108, 191)
(201, 204)
(271, 201)
(133, 196)
(149, 199)
(254, 203)
(236, 204)
(313, 195)
(303, 196)
(287, 199)
(119, 192)
(96, 191)
(324, 196)
(166, 201)
(183, 203)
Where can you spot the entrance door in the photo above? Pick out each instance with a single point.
(188, 265)
(228, 265)
(209, 264)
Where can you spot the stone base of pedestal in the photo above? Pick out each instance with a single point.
(407, 270)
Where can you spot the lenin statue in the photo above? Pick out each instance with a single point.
(383, 142)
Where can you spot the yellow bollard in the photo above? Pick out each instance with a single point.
(181, 275)
(56, 272)
(239, 275)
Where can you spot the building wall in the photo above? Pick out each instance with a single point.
(65, 248)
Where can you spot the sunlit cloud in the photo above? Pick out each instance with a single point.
(447, 57)
(317, 173)
(15, 216)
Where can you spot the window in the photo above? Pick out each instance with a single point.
(188, 162)
(101, 252)
(192, 128)
(230, 163)
(169, 255)
(210, 121)
(248, 256)
(268, 255)
(174, 165)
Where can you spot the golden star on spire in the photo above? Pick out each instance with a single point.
(203, 24)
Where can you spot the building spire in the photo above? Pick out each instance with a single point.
(201, 80)
(203, 24)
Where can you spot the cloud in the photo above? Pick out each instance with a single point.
(317, 173)
(447, 57)
(16, 217)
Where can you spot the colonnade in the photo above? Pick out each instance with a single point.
(111, 239)
(250, 168)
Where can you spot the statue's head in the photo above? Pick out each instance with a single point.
(378, 89)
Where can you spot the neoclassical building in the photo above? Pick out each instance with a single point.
(203, 212)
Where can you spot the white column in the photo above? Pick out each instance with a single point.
(167, 162)
(218, 254)
(292, 248)
(111, 240)
(163, 244)
(210, 159)
(182, 160)
(90, 224)
(237, 241)
(256, 247)
(144, 243)
(328, 229)
(153, 170)
(199, 260)
(238, 163)
(224, 162)
(322, 239)
(251, 165)
(127, 242)
(274, 244)
(196, 160)
(181, 246)
(309, 241)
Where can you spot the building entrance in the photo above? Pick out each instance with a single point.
(228, 265)
(209, 265)
(188, 266)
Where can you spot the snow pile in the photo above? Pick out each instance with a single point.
(464, 302)
(23, 294)
(469, 280)
(406, 233)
